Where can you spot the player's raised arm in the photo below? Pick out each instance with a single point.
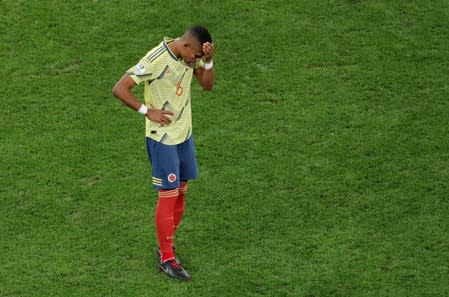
(206, 74)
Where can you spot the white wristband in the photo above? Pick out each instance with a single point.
(209, 65)
(143, 109)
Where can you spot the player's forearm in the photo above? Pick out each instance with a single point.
(208, 71)
(207, 78)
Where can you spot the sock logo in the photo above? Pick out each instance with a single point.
(171, 177)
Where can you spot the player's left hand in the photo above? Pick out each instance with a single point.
(208, 50)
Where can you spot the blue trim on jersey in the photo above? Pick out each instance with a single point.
(156, 54)
(169, 50)
(171, 164)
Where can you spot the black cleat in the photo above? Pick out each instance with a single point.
(173, 269)
(158, 252)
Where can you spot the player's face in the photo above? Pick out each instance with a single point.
(193, 50)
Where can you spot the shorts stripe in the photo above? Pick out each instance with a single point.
(157, 181)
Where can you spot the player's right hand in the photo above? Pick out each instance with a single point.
(159, 116)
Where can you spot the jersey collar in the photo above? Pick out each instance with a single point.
(166, 41)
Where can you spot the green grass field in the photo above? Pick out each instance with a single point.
(323, 150)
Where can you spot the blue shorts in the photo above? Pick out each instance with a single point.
(171, 164)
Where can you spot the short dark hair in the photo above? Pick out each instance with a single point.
(200, 33)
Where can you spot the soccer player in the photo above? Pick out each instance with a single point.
(167, 72)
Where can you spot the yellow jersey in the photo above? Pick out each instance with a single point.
(167, 82)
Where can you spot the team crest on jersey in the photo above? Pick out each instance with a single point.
(171, 177)
(141, 67)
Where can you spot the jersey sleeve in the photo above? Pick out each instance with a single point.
(142, 71)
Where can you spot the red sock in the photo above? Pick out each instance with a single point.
(179, 206)
(165, 222)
